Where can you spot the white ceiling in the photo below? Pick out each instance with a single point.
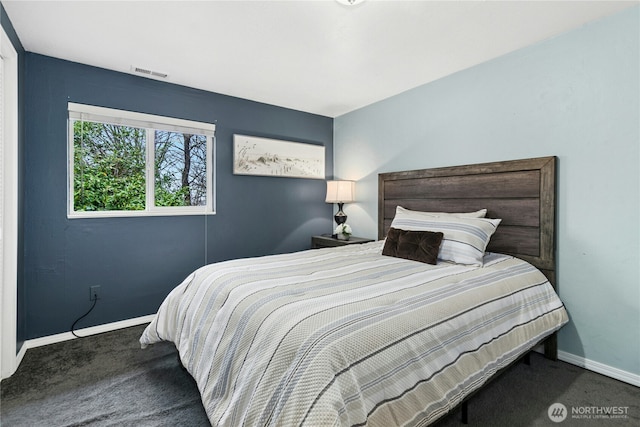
(316, 56)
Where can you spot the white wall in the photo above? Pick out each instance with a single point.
(575, 96)
(8, 203)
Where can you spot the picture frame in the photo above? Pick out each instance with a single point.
(254, 155)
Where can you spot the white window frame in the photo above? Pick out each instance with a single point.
(150, 123)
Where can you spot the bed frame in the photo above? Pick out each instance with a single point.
(521, 192)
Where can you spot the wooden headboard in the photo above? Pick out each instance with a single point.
(520, 192)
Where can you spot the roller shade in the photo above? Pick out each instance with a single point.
(92, 113)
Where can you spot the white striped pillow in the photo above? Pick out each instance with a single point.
(465, 239)
(477, 214)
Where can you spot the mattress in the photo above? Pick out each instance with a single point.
(348, 337)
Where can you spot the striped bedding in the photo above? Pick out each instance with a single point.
(348, 337)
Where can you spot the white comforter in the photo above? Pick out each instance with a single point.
(347, 336)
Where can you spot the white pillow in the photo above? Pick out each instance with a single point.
(465, 238)
(477, 214)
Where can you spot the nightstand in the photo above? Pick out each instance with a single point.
(326, 241)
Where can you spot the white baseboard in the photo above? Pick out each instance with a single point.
(93, 330)
(600, 368)
(19, 357)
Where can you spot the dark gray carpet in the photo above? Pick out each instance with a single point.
(101, 380)
(107, 380)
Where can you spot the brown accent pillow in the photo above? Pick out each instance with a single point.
(391, 242)
(420, 246)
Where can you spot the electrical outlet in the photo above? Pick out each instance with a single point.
(93, 292)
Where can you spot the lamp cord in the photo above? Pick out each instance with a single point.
(82, 317)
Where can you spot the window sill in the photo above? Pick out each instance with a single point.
(134, 214)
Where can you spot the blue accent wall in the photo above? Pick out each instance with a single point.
(137, 261)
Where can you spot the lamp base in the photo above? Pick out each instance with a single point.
(340, 217)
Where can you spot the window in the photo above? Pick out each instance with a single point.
(127, 164)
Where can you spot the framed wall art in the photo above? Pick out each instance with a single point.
(271, 157)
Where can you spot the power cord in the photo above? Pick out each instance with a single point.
(95, 300)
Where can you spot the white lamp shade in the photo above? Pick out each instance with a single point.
(350, 2)
(340, 191)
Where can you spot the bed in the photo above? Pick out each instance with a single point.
(348, 336)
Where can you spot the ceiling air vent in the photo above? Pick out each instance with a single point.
(148, 73)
